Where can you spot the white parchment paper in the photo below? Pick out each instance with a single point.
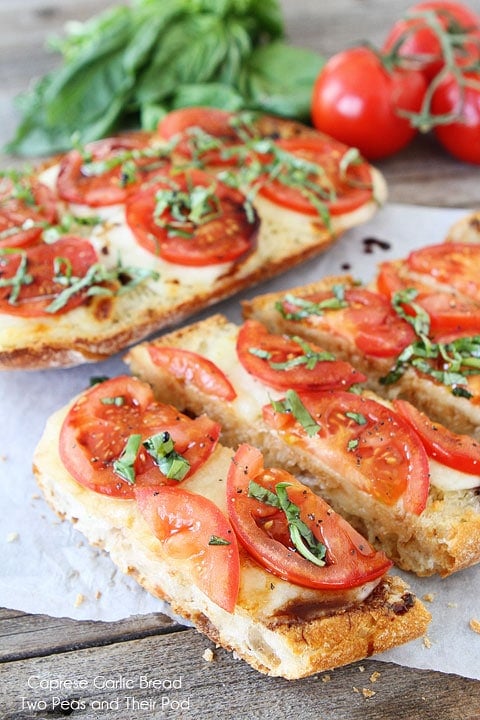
(48, 568)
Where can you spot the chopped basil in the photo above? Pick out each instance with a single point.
(161, 448)
(293, 404)
(98, 379)
(124, 466)
(306, 308)
(118, 400)
(69, 224)
(448, 363)
(188, 209)
(21, 188)
(216, 540)
(356, 417)
(302, 537)
(21, 277)
(352, 444)
(93, 281)
(310, 358)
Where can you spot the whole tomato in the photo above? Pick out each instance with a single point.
(462, 97)
(358, 101)
(415, 39)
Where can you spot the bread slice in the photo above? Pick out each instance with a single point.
(442, 539)
(103, 325)
(467, 229)
(331, 331)
(279, 628)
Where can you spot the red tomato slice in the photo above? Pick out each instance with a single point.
(37, 285)
(263, 530)
(460, 452)
(26, 207)
(193, 369)
(371, 445)
(225, 234)
(187, 125)
(449, 313)
(338, 191)
(368, 320)
(454, 264)
(257, 349)
(198, 537)
(98, 426)
(108, 172)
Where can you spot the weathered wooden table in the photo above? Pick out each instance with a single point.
(153, 660)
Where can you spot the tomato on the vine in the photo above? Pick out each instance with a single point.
(359, 101)
(461, 137)
(414, 37)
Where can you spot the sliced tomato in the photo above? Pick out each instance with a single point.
(197, 536)
(368, 320)
(225, 233)
(193, 369)
(108, 171)
(454, 264)
(460, 452)
(284, 362)
(263, 530)
(366, 442)
(301, 188)
(201, 133)
(31, 270)
(99, 424)
(449, 313)
(26, 207)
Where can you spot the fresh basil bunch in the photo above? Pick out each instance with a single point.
(131, 64)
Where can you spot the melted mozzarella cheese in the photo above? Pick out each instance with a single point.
(449, 479)
(114, 241)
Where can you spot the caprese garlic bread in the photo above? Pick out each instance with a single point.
(414, 331)
(247, 553)
(407, 484)
(163, 224)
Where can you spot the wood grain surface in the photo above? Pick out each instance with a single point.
(150, 667)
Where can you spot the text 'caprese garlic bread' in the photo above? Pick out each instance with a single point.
(370, 458)
(415, 330)
(247, 553)
(131, 234)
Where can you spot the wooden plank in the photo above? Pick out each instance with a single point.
(226, 688)
(24, 636)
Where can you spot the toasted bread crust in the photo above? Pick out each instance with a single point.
(288, 645)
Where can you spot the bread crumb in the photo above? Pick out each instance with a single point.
(79, 600)
(3, 457)
(427, 642)
(326, 678)
(11, 537)
(475, 625)
(366, 692)
(36, 496)
(374, 676)
(429, 597)
(208, 655)
(98, 595)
